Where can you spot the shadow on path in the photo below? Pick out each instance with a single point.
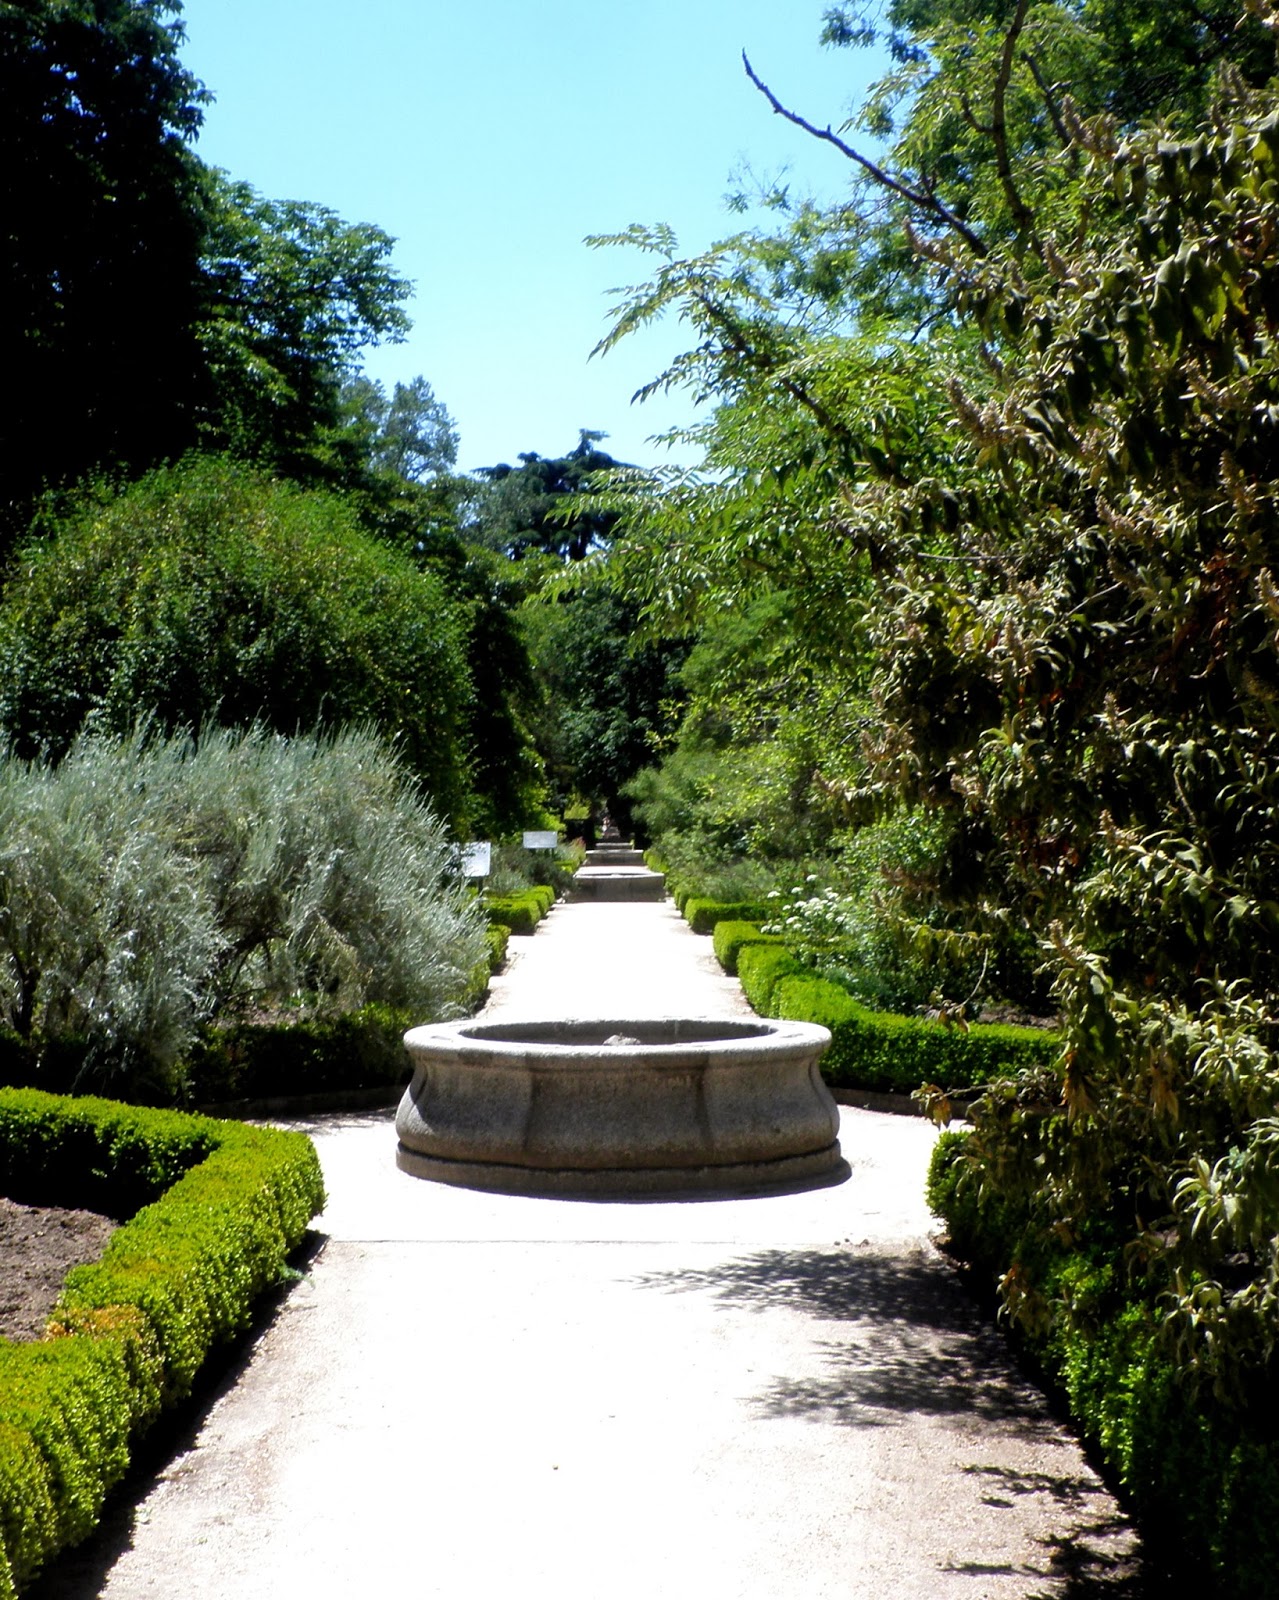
(908, 1341)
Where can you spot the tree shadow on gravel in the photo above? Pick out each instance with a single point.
(82, 1573)
(908, 1339)
(919, 1344)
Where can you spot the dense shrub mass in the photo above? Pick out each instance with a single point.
(154, 888)
(222, 1205)
(206, 593)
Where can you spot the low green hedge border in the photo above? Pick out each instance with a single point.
(498, 936)
(759, 968)
(881, 1051)
(729, 938)
(877, 1050)
(222, 1205)
(1203, 1482)
(361, 1050)
(702, 915)
(520, 912)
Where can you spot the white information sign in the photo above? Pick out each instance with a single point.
(476, 859)
(540, 841)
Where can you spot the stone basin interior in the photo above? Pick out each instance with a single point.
(645, 1033)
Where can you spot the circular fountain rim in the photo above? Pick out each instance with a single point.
(601, 1040)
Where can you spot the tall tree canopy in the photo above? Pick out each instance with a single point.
(152, 304)
(540, 508)
(103, 237)
(290, 294)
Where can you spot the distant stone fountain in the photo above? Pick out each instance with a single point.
(620, 1108)
(615, 870)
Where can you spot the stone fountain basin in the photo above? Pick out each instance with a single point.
(619, 1107)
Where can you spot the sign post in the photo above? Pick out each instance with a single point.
(477, 859)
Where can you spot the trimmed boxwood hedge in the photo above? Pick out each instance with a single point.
(702, 914)
(1203, 1480)
(881, 1051)
(759, 968)
(520, 912)
(730, 937)
(222, 1205)
(877, 1050)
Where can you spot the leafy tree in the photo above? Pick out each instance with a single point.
(737, 777)
(415, 435)
(609, 696)
(601, 695)
(152, 303)
(1110, 663)
(102, 241)
(392, 457)
(206, 593)
(489, 591)
(1047, 557)
(292, 293)
(1131, 59)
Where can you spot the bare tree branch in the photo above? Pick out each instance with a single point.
(922, 200)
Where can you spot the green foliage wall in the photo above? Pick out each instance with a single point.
(1203, 1480)
(1005, 426)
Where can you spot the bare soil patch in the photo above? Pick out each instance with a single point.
(38, 1247)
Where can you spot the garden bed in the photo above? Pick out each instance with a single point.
(38, 1247)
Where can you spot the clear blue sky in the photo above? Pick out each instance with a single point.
(489, 140)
